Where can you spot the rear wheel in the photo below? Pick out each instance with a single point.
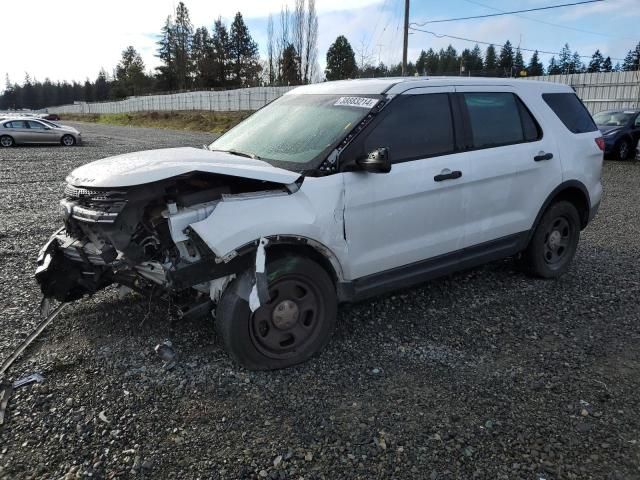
(68, 141)
(554, 242)
(291, 327)
(6, 141)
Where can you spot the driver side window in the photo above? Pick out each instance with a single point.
(412, 127)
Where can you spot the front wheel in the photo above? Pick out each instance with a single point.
(623, 150)
(68, 141)
(554, 242)
(291, 327)
(6, 141)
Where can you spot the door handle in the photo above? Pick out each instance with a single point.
(542, 156)
(447, 174)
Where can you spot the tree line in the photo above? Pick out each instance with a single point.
(507, 62)
(193, 59)
(228, 57)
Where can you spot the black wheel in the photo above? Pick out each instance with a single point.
(68, 141)
(295, 324)
(554, 241)
(623, 149)
(6, 141)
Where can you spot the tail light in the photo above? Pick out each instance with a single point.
(600, 142)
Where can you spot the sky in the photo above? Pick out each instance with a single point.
(74, 39)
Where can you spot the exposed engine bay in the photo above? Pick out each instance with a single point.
(139, 237)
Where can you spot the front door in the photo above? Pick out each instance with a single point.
(416, 211)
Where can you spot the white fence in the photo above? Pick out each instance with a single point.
(220, 101)
(599, 91)
(602, 91)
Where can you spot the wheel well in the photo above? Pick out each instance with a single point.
(579, 200)
(303, 250)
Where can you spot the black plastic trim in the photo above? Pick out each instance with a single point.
(422, 271)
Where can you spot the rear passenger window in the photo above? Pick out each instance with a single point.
(571, 111)
(499, 118)
(415, 126)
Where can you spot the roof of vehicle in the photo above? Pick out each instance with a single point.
(373, 86)
(622, 110)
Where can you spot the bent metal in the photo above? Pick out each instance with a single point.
(332, 193)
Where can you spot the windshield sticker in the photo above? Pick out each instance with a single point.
(357, 102)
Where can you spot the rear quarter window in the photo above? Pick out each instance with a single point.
(571, 111)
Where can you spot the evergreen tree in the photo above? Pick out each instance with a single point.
(632, 60)
(565, 61)
(535, 67)
(167, 76)
(449, 61)
(505, 60)
(203, 58)
(554, 67)
(183, 34)
(596, 63)
(101, 87)
(518, 62)
(490, 61)
(421, 63)
(576, 63)
(475, 60)
(341, 61)
(289, 66)
(432, 62)
(243, 52)
(606, 65)
(220, 44)
(130, 77)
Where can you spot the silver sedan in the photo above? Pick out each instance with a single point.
(16, 131)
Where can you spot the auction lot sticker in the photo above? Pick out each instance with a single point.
(357, 102)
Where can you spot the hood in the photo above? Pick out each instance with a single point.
(67, 128)
(153, 165)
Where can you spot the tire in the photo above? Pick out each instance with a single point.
(68, 141)
(7, 141)
(294, 325)
(623, 149)
(554, 242)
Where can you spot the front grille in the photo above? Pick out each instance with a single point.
(72, 192)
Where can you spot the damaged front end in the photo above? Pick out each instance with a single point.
(140, 237)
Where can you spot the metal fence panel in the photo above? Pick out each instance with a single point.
(602, 91)
(219, 101)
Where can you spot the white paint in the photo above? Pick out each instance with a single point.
(152, 165)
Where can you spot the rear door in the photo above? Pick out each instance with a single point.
(415, 211)
(513, 164)
(19, 130)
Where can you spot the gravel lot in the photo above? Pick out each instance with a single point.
(485, 374)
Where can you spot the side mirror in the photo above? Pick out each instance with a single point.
(376, 162)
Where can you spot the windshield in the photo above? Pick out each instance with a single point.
(51, 124)
(296, 132)
(612, 119)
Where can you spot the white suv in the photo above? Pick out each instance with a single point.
(333, 193)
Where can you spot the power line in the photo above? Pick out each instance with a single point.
(581, 30)
(548, 7)
(441, 35)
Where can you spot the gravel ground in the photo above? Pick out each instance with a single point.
(484, 374)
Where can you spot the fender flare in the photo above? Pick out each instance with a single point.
(564, 186)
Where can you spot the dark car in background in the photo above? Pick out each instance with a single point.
(621, 131)
(51, 116)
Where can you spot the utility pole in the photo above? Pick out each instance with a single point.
(406, 37)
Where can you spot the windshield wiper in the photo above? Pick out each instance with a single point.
(239, 154)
